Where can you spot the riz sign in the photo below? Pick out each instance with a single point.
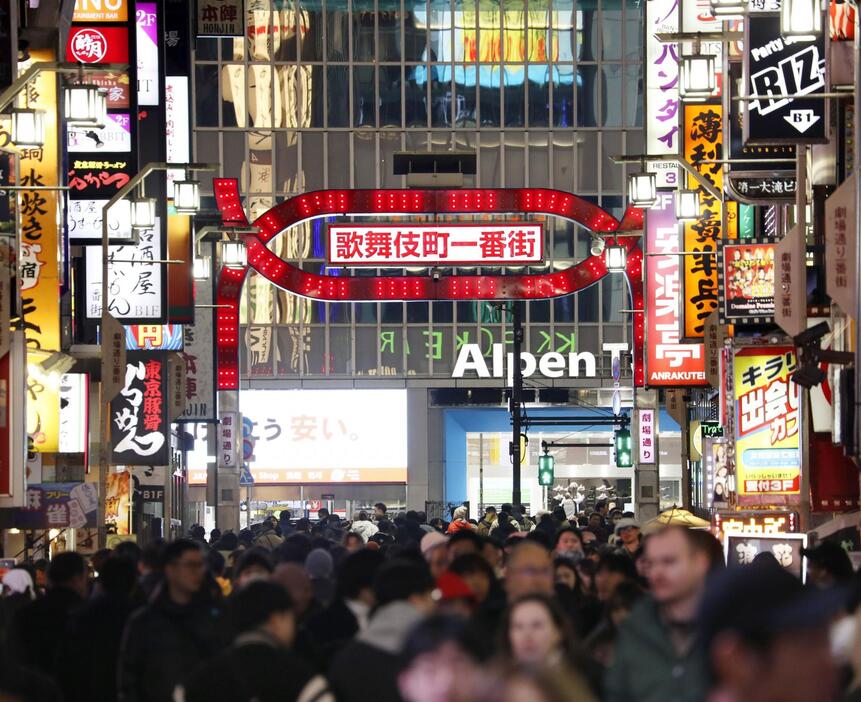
(549, 365)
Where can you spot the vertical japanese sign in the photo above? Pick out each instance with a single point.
(790, 289)
(118, 501)
(668, 361)
(139, 427)
(229, 442)
(177, 140)
(114, 361)
(74, 403)
(38, 259)
(841, 275)
(198, 354)
(7, 256)
(662, 89)
(146, 23)
(220, 18)
(768, 424)
(176, 368)
(647, 436)
(703, 147)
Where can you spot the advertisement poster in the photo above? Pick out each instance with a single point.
(741, 549)
(768, 423)
(58, 506)
(118, 502)
(327, 436)
(139, 428)
(747, 282)
(668, 361)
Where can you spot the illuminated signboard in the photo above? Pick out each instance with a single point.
(662, 89)
(741, 549)
(381, 245)
(668, 361)
(747, 282)
(139, 427)
(327, 436)
(100, 11)
(74, 415)
(152, 337)
(757, 523)
(98, 45)
(768, 422)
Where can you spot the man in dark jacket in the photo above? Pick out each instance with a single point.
(39, 628)
(259, 666)
(87, 665)
(370, 664)
(180, 629)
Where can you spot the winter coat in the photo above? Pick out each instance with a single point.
(459, 525)
(369, 666)
(267, 539)
(254, 668)
(646, 667)
(39, 628)
(364, 529)
(163, 643)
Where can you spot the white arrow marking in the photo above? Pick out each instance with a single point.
(802, 120)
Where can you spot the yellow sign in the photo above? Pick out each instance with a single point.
(703, 137)
(768, 426)
(101, 11)
(39, 272)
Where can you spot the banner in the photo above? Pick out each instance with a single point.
(176, 371)
(768, 426)
(229, 441)
(703, 139)
(146, 35)
(199, 356)
(714, 337)
(646, 434)
(841, 275)
(668, 361)
(662, 90)
(139, 428)
(58, 506)
(746, 291)
(790, 305)
(114, 361)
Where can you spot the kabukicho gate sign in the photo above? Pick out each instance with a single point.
(507, 241)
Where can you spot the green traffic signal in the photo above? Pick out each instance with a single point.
(546, 469)
(622, 440)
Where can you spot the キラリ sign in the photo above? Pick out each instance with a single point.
(747, 282)
(139, 428)
(669, 362)
(381, 245)
(775, 66)
(767, 424)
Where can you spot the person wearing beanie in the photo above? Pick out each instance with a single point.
(459, 521)
(260, 664)
(319, 566)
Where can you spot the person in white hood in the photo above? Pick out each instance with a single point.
(363, 526)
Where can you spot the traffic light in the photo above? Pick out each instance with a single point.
(546, 469)
(622, 440)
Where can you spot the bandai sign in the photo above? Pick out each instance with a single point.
(381, 245)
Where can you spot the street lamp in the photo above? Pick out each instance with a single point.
(616, 257)
(697, 79)
(143, 213)
(28, 128)
(234, 254)
(86, 105)
(642, 189)
(687, 204)
(186, 196)
(800, 19)
(201, 267)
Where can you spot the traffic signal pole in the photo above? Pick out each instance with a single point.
(516, 404)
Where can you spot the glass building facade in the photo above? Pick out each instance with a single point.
(323, 94)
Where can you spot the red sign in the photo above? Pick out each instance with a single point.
(668, 361)
(381, 245)
(98, 45)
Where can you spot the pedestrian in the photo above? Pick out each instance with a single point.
(380, 512)
(16, 591)
(259, 665)
(612, 570)
(39, 627)
(766, 636)
(627, 533)
(655, 655)
(528, 570)
(828, 564)
(363, 526)
(253, 564)
(320, 567)
(434, 548)
(488, 522)
(267, 538)
(369, 666)
(568, 543)
(178, 630)
(459, 521)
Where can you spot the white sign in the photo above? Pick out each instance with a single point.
(197, 352)
(840, 273)
(549, 365)
(647, 436)
(662, 90)
(177, 144)
(84, 220)
(327, 436)
(74, 388)
(229, 439)
(134, 284)
(146, 23)
(435, 245)
(114, 137)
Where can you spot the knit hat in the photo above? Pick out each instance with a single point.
(430, 541)
(450, 586)
(319, 564)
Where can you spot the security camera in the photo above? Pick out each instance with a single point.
(436, 273)
(812, 335)
(597, 246)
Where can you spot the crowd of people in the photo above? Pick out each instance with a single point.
(396, 608)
